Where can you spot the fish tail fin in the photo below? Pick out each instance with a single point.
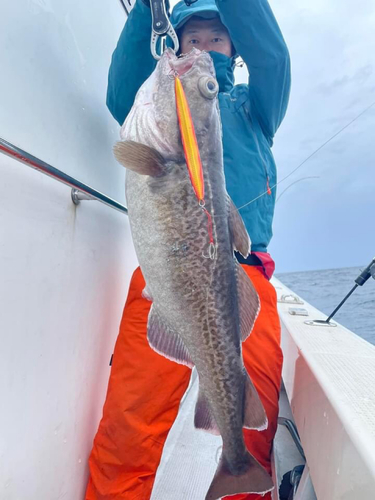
(253, 479)
(254, 414)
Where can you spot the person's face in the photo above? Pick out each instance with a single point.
(205, 34)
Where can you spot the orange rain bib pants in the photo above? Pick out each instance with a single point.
(145, 390)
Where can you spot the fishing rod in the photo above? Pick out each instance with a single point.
(365, 275)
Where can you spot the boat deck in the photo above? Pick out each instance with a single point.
(190, 456)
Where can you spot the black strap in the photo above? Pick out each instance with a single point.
(251, 260)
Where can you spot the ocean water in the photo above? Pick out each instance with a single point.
(325, 290)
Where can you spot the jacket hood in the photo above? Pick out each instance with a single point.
(202, 8)
(224, 65)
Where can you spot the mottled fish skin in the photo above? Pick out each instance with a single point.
(194, 296)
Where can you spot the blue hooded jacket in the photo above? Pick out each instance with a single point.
(250, 114)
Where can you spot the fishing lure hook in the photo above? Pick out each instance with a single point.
(211, 252)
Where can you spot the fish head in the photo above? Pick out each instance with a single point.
(153, 119)
(197, 75)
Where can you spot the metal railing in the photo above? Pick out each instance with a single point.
(79, 192)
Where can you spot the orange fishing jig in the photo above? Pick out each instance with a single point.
(192, 155)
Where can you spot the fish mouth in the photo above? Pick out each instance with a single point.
(182, 64)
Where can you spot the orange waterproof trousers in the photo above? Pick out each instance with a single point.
(145, 390)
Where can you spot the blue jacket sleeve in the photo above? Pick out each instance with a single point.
(258, 40)
(132, 62)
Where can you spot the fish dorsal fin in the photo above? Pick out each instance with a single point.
(240, 237)
(166, 342)
(248, 300)
(254, 414)
(139, 158)
(203, 418)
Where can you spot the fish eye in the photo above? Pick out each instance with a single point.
(208, 87)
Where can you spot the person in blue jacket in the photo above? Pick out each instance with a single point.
(145, 388)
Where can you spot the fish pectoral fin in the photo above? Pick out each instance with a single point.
(253, 479)
(203, 418)
(249, 303)
(240, 236)
(166, 342)
(254, 414)
(140, 158)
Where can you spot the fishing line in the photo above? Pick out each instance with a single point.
(310, 156)
(295, 182)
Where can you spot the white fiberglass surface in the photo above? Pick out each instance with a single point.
(329, 376)
(190, 456)
(55, 58)
(64, 269)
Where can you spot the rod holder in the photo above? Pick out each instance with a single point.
(319, 322)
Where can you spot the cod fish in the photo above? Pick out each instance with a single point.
(203, 303)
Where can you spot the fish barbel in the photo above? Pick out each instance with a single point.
(203, 303)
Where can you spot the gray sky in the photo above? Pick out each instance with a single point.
(326, 222)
